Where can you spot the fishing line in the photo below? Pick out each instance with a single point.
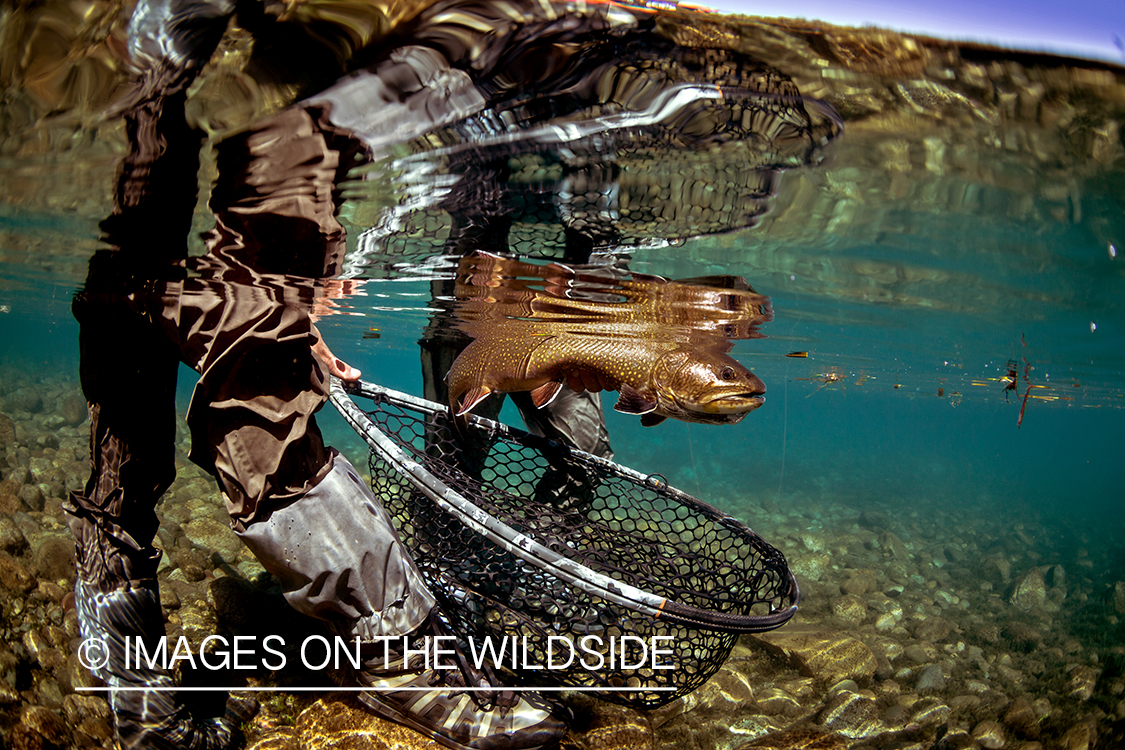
(691, 452)
(785, 408)
(784, 429)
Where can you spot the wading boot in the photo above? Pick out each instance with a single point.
(428, 685)
(147, 713)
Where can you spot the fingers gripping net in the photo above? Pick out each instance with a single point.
(531, 543)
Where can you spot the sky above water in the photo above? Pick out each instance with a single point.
(1090, 28)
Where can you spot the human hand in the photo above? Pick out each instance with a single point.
(335, 365)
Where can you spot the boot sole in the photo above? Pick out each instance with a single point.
(406, 719)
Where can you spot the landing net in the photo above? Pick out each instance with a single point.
(530, 543)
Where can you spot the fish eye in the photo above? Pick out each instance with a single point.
(727, 373)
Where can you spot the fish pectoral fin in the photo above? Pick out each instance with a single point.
(632, 401)
(545, 393)
(651, 420)
(471, 398)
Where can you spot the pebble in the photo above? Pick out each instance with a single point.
(885, 622)
(213, 535)
(169, 599)
(1020, 718)
(990, 735)
(773, 701)
(931, 680)
(31, 495)
(14, 575)
(46, 723)
(1022, 636)
(859, 583)
(1080, 736)
(1029, 591)
(893, 547)
(851, 715)
(822, 653)
(54, 558)
(850, 610)
(931, 712)
(1080, 684)
(811, 566)
(12, 540)
(933, 629)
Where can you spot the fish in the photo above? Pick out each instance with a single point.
(662, 345)
(654, 379)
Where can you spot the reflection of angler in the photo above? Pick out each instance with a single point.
(657, 143)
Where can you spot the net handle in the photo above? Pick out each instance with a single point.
(518, 543)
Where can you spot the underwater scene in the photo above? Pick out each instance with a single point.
(797, 346)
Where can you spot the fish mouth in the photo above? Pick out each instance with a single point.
(736, 403)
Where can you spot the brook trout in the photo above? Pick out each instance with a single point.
(662, 344)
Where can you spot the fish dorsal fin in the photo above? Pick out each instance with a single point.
(471, 398)
(651, 419)
(545, 393)
(632, 401)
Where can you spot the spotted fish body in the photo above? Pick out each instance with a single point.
(657, 379)
(663, 345)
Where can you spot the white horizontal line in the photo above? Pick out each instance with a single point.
(298, 689)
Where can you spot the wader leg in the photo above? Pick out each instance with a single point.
(113, 520)
(339, 558)
(575, 419)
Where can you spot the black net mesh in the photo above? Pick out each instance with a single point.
(715, 576)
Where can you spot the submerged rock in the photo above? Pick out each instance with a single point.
(874, 519)
(774, 701)
(990, 735)
(54, 558)
(935, 629)
(12, 539)
(214, 536)
(893, 547)
(931, 680)
(852, 715)
(1022, 636)
(344, 725)
(1029, 591)
(860, 582)
(1020, 718)
(31, 495)
(7, 432)
(72, 409)
(997, 569)
(14, 575)
(616, 728)
(851, 610)
(1081, 736)
(824, 654)
(811, 566)
(1081, 682)
(46, 724)
(799, 739)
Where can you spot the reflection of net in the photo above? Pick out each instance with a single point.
(679, 568)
